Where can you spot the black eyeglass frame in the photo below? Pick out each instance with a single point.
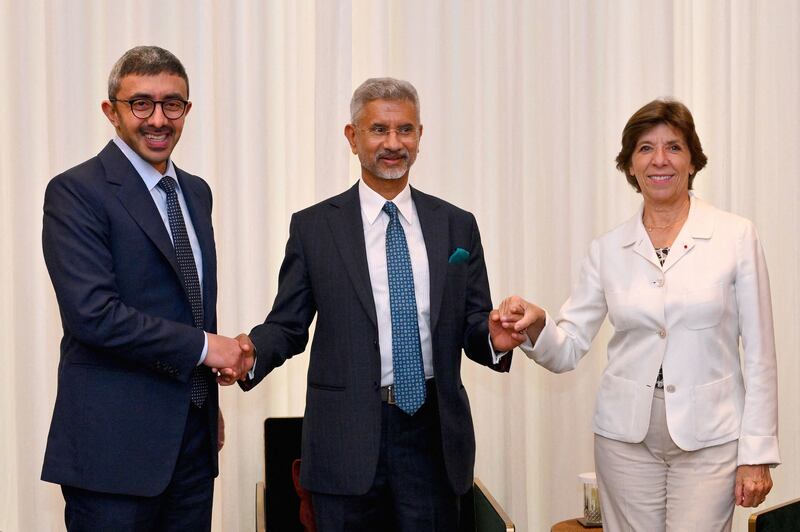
(153, 110)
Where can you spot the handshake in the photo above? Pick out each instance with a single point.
(230, 358)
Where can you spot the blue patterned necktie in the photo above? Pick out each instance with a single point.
(191, 282)
(409, 375)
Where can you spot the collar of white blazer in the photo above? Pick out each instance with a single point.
(699, 224)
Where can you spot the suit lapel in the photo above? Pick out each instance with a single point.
(699, 225)
(200, 214)
(348, 233)
(435, 230)
(136, 199)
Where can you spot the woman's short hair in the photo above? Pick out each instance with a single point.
(671, 113)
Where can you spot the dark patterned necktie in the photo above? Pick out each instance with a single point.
(191, 282)
(409, 375)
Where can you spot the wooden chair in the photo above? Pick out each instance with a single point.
(781, 518)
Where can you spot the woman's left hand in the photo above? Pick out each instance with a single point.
(753, 482)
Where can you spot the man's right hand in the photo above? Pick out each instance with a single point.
(226, 356)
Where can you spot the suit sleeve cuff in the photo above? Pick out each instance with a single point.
(755, 450)
(496, 357)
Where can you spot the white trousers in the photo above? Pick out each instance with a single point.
(654, 486)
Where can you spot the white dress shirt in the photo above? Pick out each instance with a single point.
(151, 177)
(375, 221)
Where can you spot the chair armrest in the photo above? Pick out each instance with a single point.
(783, 516)
(489, 515)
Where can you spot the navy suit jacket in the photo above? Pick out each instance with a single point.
(325, 272)
(129, 346)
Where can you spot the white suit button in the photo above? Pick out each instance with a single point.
(662, 333)
(670, 388)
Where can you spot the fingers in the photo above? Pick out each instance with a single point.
(753, 483)
(512, 305)
(248, 355)
(220, 431)
(518, 314)
(227, 376)
(233, 358)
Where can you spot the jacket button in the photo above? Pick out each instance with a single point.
(659, 283)
(670, 388)
(662, 333)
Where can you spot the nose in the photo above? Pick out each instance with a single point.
(157, 119)
(660, 156)
(392, 140)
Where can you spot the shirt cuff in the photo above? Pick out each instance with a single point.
(496, 357)
(205, 348)
(526, 346)
(252, 373)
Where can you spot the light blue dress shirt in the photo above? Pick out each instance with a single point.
(151, 177)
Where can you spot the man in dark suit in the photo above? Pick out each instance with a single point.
(129, 246)
(397, 281)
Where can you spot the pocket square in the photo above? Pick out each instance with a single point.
(459, 255)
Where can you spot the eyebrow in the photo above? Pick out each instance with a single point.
(171, 96)
(670, 142)
(381, 124)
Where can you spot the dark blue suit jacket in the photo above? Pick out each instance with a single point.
(129, 346)
(325, 273)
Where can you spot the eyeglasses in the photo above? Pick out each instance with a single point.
(173, 108)
(381, 132)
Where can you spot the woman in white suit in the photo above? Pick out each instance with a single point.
(681, 432)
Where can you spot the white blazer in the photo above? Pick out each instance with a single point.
(687, 316)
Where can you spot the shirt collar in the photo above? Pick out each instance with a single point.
(372, 204)
(149, 175)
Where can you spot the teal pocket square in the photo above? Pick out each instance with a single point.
(459, 255)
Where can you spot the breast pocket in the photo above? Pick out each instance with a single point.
(703, 308)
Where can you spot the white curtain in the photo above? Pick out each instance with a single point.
(523, 104)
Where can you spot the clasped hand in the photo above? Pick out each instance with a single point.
(514, 322)
(230, 358)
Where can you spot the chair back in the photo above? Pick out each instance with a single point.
(781, 518)
(282, 442)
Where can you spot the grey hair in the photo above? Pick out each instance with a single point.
(145, 61)
(382, 89)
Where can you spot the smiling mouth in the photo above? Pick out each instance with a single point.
(658, 178)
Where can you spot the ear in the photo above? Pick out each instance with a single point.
(110, 112)
(188, 108)
(350, 133)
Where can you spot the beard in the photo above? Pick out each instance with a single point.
(395, 172)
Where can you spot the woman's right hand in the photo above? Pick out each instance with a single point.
(519, 314)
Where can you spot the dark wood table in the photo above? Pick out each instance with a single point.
(572, 525)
